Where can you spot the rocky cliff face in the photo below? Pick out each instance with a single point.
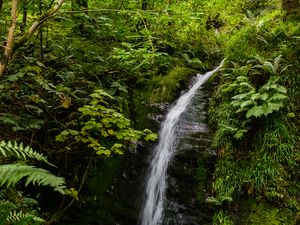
(187, 184)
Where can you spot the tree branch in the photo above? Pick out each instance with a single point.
(61, 211)
(37, 24)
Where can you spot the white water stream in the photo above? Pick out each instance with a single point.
(153, 209)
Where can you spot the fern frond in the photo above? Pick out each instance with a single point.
(2, 195)
(13, 149)
(20, 218)
(5, 208)
(11, 174)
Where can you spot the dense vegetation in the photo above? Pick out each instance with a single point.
(77, 79)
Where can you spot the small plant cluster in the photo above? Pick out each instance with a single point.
(269, 98)
(104, 128)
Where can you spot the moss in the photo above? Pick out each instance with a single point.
(161, 88)
(221, 218)
(252, 212)
(201, 180)
(166, 88)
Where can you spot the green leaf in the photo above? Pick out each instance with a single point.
(246, 103)
(64, 135)
(255, 96)
(255, 111)
(15, 77)
(100, 94)
(291, 115)
(277, 97)
(11, 174)
(264, 96)
(118, 148)
(236, 103)
(151, 137)
(13, 149)
(36, 124)
(240, 133)
(213, 200)
(242, 96)
(281, 89)
(275, 106)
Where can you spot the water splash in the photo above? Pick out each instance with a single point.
(152, 211)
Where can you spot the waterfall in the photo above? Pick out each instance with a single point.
(152, 211)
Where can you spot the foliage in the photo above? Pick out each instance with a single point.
(15, 209)
(11, 174)
(222, 219)
(137, 60)
(105, 126)
(9, 149)
(267, 99)
(24, 218)
(252, 110)
(9, 216)
(18, 209)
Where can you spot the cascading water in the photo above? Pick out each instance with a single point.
(153, 209)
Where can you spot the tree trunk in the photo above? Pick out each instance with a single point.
(1, 5)
(24, 18)
(10, 38)
(41, 33)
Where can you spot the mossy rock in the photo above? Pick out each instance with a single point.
(160, 89)
(166, 88)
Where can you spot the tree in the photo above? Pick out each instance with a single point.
(10, 38)
(10, 47)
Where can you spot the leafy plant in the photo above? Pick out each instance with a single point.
(17, 209)
(137, 59)
(11, 174)
(269, 98)
(104, 128)
(220, 218)
(23, 219)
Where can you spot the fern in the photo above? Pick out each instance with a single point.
(13, 149)
(20, 218)
(12, 211)
(5, 208)
(269, 98)
(11, 174)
